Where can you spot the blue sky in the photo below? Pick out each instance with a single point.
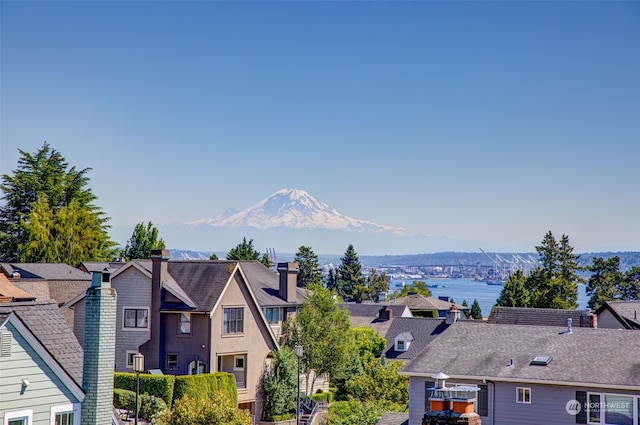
(485, 121)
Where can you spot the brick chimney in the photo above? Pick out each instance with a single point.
(159, 274)
(99, 350)
(588, 319)
(385, 313)
(452, 315)
(288, 281)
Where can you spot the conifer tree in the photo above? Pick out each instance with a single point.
(349, 275)
(47, 199)
(476, 311)
(246, 251)
(514, 293)
(309, 271)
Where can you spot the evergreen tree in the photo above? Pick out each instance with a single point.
(46, 196)
(555, 283)
(309, 272)
(630, 289)
(246, 251)
(606, 282)
(514, 292)
(280, 382)
(332, 280)
(476, 311)
(349, 275)
(143, 240)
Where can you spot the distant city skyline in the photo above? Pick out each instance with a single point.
(486, 123)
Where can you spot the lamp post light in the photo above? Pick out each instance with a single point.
(299, 353)
(138, 366)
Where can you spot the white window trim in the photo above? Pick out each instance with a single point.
(136, 329)
(525, 390)
(405, 342)
(19, 414)
(64, 408)
(126, 359)
(244, 362)
(635, 400)
(180, 322)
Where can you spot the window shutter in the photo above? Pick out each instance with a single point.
(483, 400)
(581, 398)
(5, 344)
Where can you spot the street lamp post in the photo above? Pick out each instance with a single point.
(298, 355)
(138, 366)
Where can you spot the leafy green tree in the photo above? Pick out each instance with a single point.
(246, 251)
(143, 240)
(381, 383)
(368, 343)
(349, 276)
(321, 328)
(378, 283)
(219, 410)
(606, 282)
(280, 382)
(476, 311)
(514, 292)
(555, 283)
(355, 412)
(416, 287)
(45, 177)
(309, 272)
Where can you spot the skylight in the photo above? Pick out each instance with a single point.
(540, 360)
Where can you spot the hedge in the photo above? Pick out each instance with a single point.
(204, 386)
(161, 386)
(147, 408)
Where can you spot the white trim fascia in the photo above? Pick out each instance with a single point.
(17, 414)
(485, 379)
(129, 264)
(48, 359)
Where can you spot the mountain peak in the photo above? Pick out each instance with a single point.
(296, 209)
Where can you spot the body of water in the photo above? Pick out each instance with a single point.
(463, 289)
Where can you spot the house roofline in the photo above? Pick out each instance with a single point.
(485, 379)
(44, 354)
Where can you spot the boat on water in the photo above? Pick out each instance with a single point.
(495, 282)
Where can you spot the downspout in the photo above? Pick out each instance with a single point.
(492, 417)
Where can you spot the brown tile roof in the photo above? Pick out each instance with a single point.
(9, 292)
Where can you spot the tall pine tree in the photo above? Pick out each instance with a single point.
(309, 271)
(45, 199)
(349, 277)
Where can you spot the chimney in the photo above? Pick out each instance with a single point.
(99, 350)
(452, 315)
(588, 319)
(288, 281)
(385, 313)
(159, 275)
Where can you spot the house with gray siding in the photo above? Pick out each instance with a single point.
(534, 375)
(40, 366)
(619, 315)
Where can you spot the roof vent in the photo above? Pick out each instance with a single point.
(568, 331)
(540, 361)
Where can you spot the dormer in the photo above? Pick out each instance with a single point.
(402, 341)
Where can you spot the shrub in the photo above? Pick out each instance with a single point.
(203, 387)
(161, 386)
(147, 407)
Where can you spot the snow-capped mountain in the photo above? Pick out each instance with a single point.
(295, 209)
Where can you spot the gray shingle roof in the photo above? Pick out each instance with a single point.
(266, 285)
(48, 271)
(44, 320)
(533, 316)
(627, 312)
(423, 331)
(366, 314)
(392, 418)
(586, 356)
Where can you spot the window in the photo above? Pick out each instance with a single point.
(172, 360)
(185, 324)
(136, 318)
(65, 418)
(523, 395)
(273, 315)
(238, 363)
(400, 345)
(610, 409)
(22, 417)
(64, 414)
(594, 409)
(197, 367)
(233, 320)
